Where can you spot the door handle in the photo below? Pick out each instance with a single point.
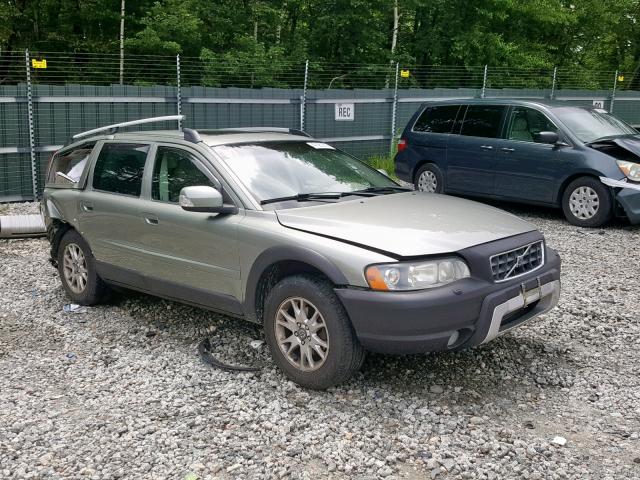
(486, 147)
(87, 207)
(507, 149)
(151, 219)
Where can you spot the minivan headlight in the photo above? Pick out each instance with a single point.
(630, 169)
(416, 275)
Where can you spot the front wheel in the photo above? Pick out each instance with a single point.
(309, 333)
(586, 202)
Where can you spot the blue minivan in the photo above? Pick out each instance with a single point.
(581, 159)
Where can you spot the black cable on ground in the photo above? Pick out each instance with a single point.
(204, 349)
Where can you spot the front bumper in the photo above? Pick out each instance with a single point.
(461, 315)
(628, 196)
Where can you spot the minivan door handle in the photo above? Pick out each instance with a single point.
(86, 207)
(486, 147)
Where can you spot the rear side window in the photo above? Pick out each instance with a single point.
(482, 121)
(67, 166)
(119, 168)
(437, 119)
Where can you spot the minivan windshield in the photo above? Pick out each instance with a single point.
(272, 170)
(590, 124)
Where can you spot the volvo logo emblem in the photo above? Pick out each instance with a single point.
(519, 262)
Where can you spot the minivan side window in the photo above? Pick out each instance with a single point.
(119, 168)
(482, 121)
(526, 123)
(173, 170)
(66, 167)
(437, 119)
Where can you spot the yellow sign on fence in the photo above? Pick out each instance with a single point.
(404, 73)
(39, 63)
(621, 78)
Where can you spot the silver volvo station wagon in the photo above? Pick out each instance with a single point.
(331, 256)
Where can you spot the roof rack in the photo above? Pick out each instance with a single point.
(222, 131)
(114, 128)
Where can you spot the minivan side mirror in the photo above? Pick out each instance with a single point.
(203, 198)
(547, 137)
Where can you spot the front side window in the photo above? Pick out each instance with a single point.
(173, 170)
(119, 168)
(67, 166)
(279, 169)
(526, 123)
(437, 119)
(590, 124)
(482, 121)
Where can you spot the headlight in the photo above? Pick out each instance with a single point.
(416, 276)
(630, 169)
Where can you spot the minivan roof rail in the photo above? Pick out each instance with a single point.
(114, 128)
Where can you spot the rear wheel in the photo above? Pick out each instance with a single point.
(586, 202)
(309, 333)
(77, 269)
(429, 179)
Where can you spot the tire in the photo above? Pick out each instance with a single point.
(586, 202)
(93, 290)
(343, 356)
(426, 176)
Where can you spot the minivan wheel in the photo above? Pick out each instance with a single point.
(429, 179)
(309, 333)
(586, 202)
(77, 269)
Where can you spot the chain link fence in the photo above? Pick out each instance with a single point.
(46, 97)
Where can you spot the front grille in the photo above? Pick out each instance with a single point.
(516, 262)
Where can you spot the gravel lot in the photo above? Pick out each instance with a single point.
(119, 391)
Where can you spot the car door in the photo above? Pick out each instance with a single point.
(525, 168)
(108, 210)
(191, 255)
(471, 154)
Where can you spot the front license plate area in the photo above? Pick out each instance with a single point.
(532, 295)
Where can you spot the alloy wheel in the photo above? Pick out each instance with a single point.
(302, 334)
(75, 268)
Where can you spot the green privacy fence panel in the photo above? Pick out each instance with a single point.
(377, 113)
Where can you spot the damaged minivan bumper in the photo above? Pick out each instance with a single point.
(628, 196)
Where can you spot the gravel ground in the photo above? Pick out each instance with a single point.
(119, 391)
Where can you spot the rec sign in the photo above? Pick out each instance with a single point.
(345, 112)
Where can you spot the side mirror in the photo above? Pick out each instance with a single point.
(547, 137)
(383, 171)
(204, 199)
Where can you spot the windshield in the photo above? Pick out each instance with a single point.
(591, 124)
(280, 169)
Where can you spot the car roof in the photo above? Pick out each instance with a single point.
(505, 101)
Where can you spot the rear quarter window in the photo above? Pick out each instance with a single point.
(119, 168)
(67, 166)
(437, 119)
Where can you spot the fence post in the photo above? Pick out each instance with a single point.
(32, 143)
(394, 109)
(613, 92)
(484, 82)
(303, 99)
(553, 82)
(178, 92)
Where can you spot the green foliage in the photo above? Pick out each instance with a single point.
(383, 162)
(522, 34)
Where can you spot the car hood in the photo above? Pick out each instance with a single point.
(628, 143)
(407, 224)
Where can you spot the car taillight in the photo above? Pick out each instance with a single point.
(402, 144)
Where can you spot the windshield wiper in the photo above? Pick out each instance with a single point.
(387, 189)
(303, 197)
